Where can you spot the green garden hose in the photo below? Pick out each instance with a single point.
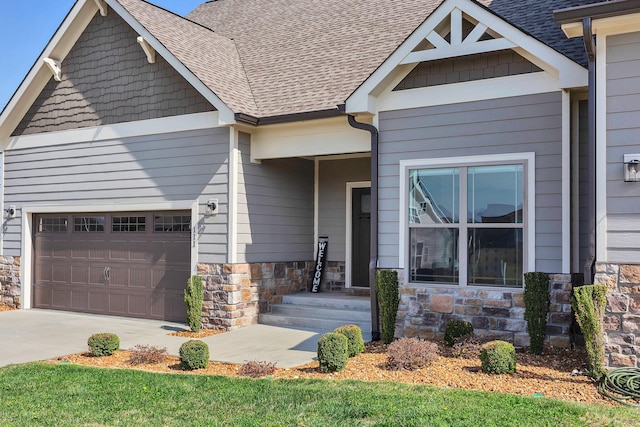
(622, 385)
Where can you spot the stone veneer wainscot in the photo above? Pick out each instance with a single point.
(234, 294)
(10, 281)
(622, 314)
(496, 313)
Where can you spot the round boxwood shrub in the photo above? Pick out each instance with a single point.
(498, 357)
(333, 352)
(456, 328)
(355, 342)
(194, 354)
(103, 344)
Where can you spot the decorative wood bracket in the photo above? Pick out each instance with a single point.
(148, 50)
(55, 67)
(102, 6)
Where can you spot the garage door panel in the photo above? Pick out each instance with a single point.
(139, 278)
(60, 273)
(89, 249)
(79, 300)
(122, 269)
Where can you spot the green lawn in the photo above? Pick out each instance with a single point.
(59, 395)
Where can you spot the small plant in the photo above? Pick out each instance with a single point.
(388, 299)
(410, 354)
(255, 369)
(589, 304)
(333, 352)
(354, 338)
(194, 354)
(536, 307)
(456, 328)
(498, 357)
(103, 344)
(466, 347)
(193, 297)
(147, 355)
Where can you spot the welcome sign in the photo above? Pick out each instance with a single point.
(323, 243)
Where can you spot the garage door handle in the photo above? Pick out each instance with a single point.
(106, 272)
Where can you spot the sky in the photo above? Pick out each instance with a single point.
(26, 26)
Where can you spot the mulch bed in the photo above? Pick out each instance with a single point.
(4, 307)
(547, 375)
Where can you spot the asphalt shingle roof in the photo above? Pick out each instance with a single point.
(276, 57)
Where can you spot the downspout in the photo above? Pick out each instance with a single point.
(590, 48)
(373, 250)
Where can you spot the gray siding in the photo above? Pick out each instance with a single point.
(506, 125)
(182, 166)
(467, 68)
(332, 197)
(106, 79)
(275, 208)
(623, 127)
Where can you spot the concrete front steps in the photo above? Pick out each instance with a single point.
(321, 312)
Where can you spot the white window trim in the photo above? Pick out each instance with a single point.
(28, 226)
(529, 227)
(349, 228)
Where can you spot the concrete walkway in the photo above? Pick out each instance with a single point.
(31, 335)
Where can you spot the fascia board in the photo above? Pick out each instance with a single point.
(58, 47)
(227, 116)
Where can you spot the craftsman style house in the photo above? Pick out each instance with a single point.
(446, 139)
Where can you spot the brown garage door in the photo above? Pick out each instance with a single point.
(132, 264)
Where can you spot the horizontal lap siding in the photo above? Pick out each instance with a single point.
(623, 127)
(332, 198)
(182, 166)
(275, 208)
(507, 125)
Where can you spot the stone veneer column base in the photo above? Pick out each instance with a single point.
(235, 294)
(10, 285)
(494, 313)
(622, 314)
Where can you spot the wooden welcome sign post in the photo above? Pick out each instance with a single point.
(323, 243)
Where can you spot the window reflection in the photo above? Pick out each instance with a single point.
(434, 255)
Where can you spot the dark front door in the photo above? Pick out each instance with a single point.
(361, 235)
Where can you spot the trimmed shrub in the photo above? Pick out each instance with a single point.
(146, 355)
(333, 352)
(498, 357)
(456, 328)
(255, 369)
(589, 304)
(388, 299)
(355, 342)
(536, 308)
(193, 297)
(410, 354)
(194, 354)
(103, 344)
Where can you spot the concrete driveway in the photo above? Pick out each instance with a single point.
(31, 335)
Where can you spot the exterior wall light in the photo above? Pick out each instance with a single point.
(632, 168)
(212, 207)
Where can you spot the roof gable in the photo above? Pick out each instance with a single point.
(460, 28)
(77, 21)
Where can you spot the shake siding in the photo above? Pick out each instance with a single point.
(507, 125)
(106, 79)
(623, 127)
(182, 166)
(334, 175)
(275, 208)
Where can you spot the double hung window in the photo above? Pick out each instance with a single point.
(467, 223)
